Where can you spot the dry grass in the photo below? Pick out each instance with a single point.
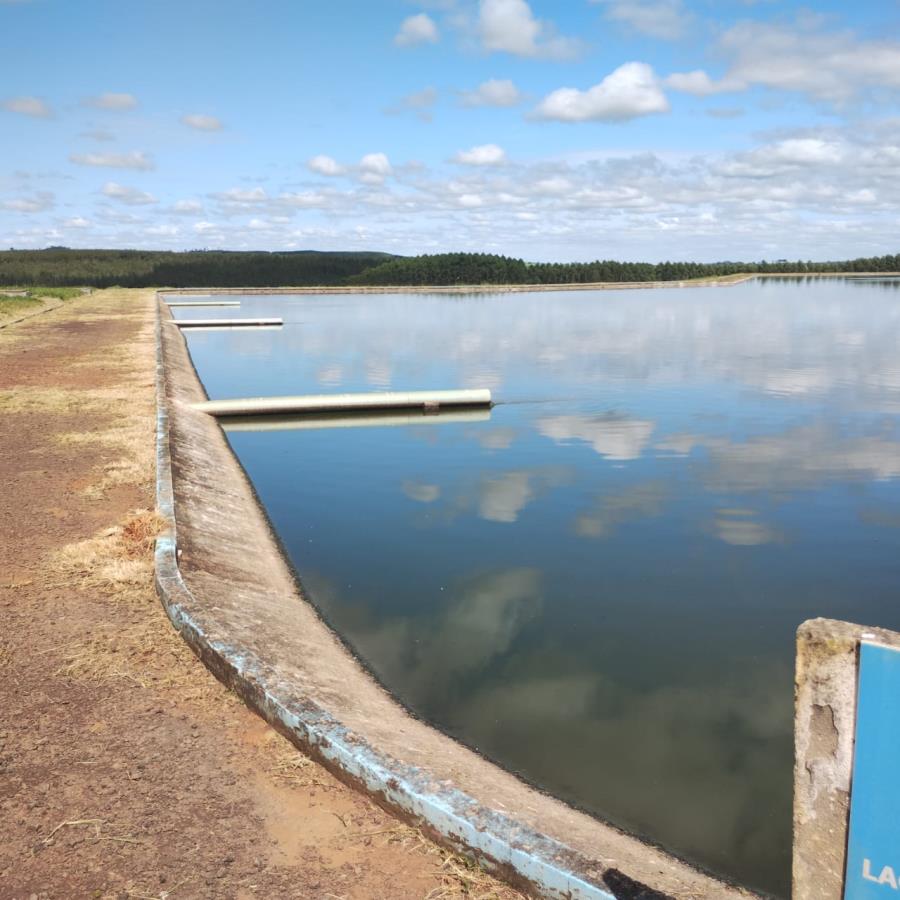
(123, 440)
(117, 565)
(128, 441)
(117, 562)
(290, 766)
(56, 400)
(461, 877)
(111, 654)
(13, 307)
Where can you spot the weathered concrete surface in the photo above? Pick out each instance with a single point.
(233, 597)
(825, 713)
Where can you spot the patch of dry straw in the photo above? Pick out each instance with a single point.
(117, 562)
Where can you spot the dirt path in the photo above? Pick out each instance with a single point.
(126, 770)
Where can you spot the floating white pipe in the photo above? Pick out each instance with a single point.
(358, 420)
(327, 403)
(226, 323)
(175, 303)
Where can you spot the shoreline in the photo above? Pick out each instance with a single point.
(128, 769)
(724, 281)
(231, 593)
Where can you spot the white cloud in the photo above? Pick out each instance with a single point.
(554, 185)
(810, 193)
(421, 492)
(419, 103)
(664, 19)
(28, 106)
(302, 200)
(76, 222)
(325, 165)
(699, 83)
(128, 195)
(609, 511)
(738, 528)
(806, 151)
(242, 196)
(483, 155)
(493, 92)
(39, 202)
(137, 159)
(187, 207)
(499, 92)
(509, 26)
(783, 156)
(503, 497)
(418, 29)
(163, 230)
(830, 66)
(202, 122)
(613, 436)
(101, 135)
(374, 168)
(117, 102)
(630, 91)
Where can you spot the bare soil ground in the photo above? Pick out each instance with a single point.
(126, 770)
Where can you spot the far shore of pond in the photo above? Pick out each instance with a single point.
(708, 281)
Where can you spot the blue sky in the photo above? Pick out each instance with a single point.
(635, 129)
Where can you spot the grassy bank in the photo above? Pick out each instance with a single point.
(12, 307)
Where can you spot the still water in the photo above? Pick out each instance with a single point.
(597, 584)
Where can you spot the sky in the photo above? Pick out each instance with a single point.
(570, 130)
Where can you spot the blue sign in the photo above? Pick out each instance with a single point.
(873, 846)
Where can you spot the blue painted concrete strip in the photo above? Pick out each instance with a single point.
(873, 854)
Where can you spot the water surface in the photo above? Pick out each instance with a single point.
(598, 584)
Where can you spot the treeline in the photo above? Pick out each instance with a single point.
(57, 266)
(485, 268)
(195, 268)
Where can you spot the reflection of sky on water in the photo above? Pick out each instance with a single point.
(598, 585)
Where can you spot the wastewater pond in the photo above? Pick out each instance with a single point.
(597, 583)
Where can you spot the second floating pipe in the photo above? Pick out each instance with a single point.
(325, 403)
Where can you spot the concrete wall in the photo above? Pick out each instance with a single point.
(824, 726)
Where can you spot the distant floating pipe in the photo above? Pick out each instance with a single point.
(174, 303)
(226, 323)
(429, 401)
(361, 419)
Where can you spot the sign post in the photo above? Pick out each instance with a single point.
(873, 847)
(846, 745)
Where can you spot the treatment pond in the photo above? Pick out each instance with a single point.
(597, 583)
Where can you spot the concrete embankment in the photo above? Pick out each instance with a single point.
(233, 597)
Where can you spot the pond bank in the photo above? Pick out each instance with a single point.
(126, 769)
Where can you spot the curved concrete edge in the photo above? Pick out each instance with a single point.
(515, 851)
(450, 817)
